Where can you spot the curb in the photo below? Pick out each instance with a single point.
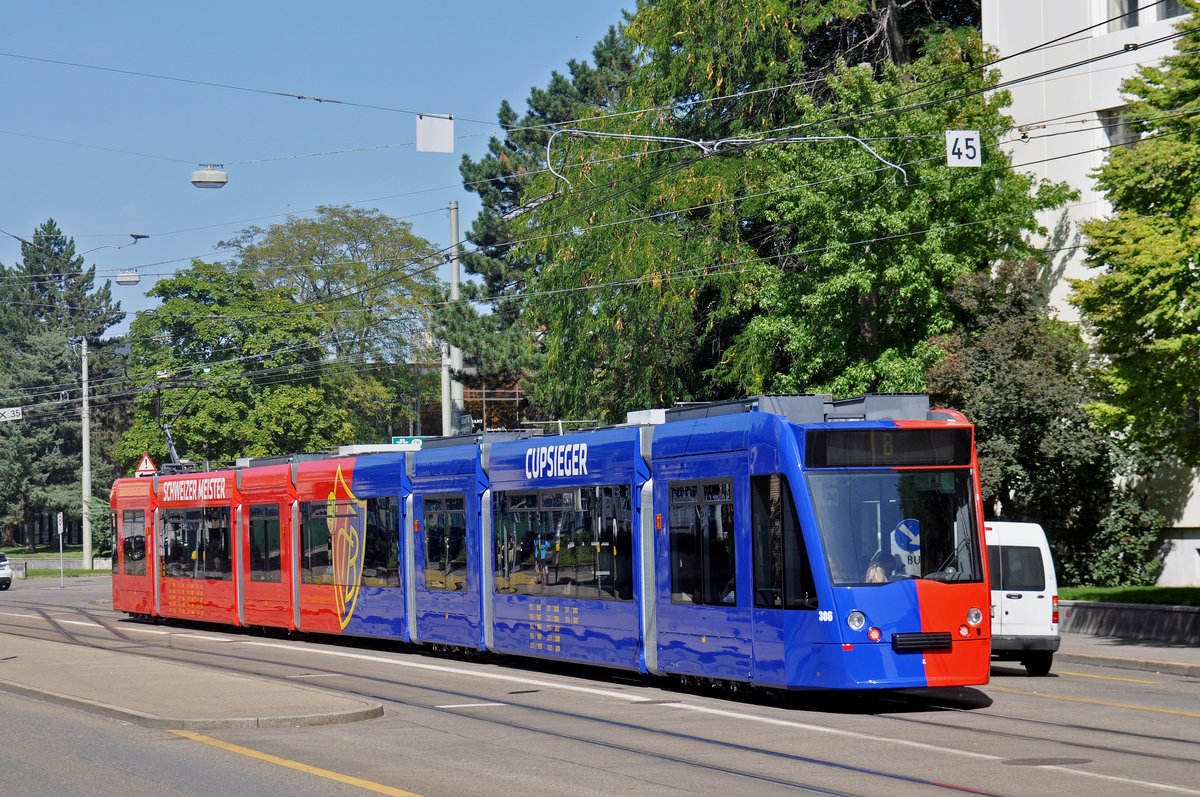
(366, 712)
(1163, 667)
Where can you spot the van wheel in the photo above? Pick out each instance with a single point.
(1038, 664)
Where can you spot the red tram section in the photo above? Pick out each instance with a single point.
(133, 506)
(196, 514)
(329, 527)
(264, 550)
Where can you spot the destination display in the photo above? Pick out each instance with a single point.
(887, 448)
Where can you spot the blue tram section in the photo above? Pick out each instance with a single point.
(564, 537)
(784, 541)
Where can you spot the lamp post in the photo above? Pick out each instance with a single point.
(452, 390)
(87, 464)
(126, 277)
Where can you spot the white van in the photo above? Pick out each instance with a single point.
(1024, 595)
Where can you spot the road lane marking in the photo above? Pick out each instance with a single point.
(416, 665)
(633, 698)
(924, 746)
(1107, 677)
(1176, 712)
(308, 769)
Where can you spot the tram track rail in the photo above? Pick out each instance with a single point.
(175, 643)
(166, 649)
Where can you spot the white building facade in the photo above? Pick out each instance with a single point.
(1068, 59)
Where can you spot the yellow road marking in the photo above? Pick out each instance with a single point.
(296, 765)
(1096, 702)
(1106, 677)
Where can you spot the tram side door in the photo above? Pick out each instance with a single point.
(444, 545)
(265, 557)
(702, 572)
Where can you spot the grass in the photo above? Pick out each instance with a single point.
(1171, 596)
(67, 573)
(49, 557)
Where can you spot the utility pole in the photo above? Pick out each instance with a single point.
(87, 465)
(452, 390)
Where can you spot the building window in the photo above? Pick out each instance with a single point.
(1171, 9)
(1122, 14)
(1116, 126)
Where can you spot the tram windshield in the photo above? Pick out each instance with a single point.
(880, 526)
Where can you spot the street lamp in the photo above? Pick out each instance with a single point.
(211, 176)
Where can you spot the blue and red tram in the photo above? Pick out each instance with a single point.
(788, 542)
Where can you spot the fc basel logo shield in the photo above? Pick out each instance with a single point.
(346, 531)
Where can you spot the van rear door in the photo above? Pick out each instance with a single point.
(1019, 590)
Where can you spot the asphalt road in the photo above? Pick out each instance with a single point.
(454, 726)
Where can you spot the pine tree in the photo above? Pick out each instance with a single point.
(497, 343)
(48, 302)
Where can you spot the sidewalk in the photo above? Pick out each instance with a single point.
(164, 694)
(1158, 657)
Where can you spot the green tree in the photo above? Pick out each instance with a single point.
(40, 460)
(1023, 379)
(1143, 305)
(368, 282)
(783, 249)
(232, 368)
(51, 287)
(48, 302)
(497, 342)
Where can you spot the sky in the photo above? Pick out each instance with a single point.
(108, 154)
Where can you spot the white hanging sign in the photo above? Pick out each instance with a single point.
(963, 148)
(435, 133)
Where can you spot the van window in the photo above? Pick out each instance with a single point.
(1016, 567)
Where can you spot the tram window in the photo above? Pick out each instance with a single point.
(702, 542)
(881, 526)
(782, 574)
(195, 543)
(133, 542)
(576, 542)
(265, 564)
(316, 559)
(214, 555)
(445, 532)
(380, 550)
(322, 524)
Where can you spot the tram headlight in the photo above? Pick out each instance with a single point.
(856, 620)
(974, 616)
